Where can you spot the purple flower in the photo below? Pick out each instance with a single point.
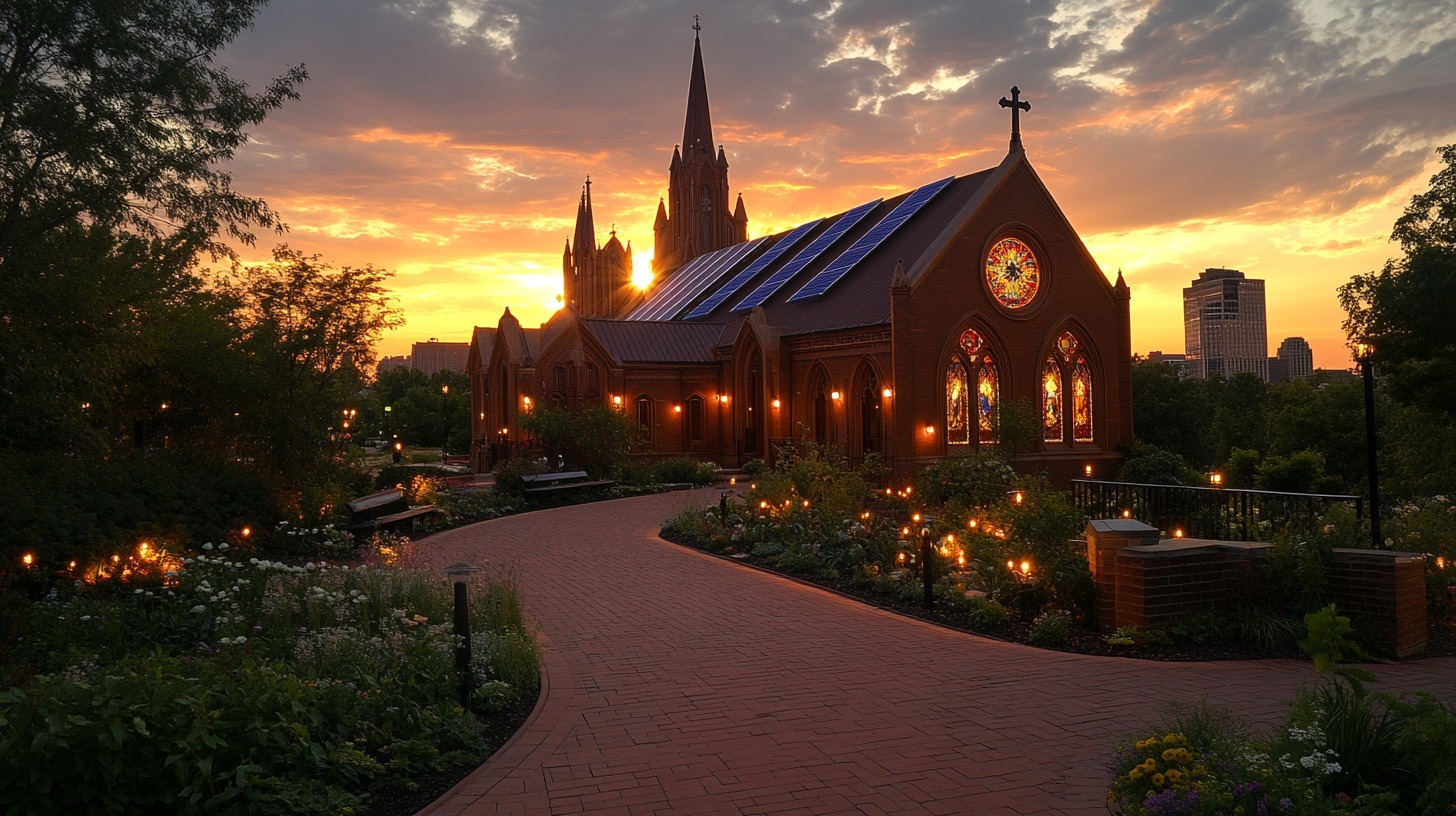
(1171, 803)
(1246, 788)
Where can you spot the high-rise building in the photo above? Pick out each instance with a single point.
(436, 356)
(1224, 330)
(1295, 359)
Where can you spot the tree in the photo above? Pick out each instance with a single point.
(1172, 413)
(112, 113)
(308, 331)
(1403, 312)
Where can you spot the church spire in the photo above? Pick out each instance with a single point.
(698, 128)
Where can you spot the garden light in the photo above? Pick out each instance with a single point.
(1127, 514)
(915, 518)
(1025, 567)
(1216, 479)
(1018, 496)
(1178, 533)
(1440, 562)
(247, 531)
(732, 481)
(71, 565)
(27, 559)
(1087, 469)
(806, 504)
(972, 524)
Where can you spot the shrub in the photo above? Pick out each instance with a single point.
(1050, 628)
(984, 614)
(978, 480)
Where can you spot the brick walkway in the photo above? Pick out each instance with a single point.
(680, 683)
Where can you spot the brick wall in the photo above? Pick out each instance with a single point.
(1143, 581)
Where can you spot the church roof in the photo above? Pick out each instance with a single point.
(482, 342)
(698, 126)
(833, 273)
(654, 341)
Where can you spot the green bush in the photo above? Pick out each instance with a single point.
(684, 470)
(984, 614)
(1051, 628)
(979, 480)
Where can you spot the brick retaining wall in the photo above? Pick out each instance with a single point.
(1144, 581)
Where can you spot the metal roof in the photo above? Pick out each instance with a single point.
(655, 341)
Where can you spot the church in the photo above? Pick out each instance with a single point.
(965, 315)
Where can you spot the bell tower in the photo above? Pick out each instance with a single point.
(697, 218)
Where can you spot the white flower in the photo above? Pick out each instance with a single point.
(198, 608)
(222, 546)
(207, 546)
(310, 565)
(85, 617)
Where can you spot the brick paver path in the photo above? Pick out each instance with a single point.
(680, 683)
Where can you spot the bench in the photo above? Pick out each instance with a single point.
(541, 484)
(386, 510)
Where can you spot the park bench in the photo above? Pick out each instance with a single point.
(543, 484)
(386, 510)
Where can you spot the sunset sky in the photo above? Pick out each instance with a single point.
(447, 140)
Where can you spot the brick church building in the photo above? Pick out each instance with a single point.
(963, 315)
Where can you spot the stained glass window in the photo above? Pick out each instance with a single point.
(971, 342)
(988, 400)
(1012, 273)
(1067, 345)
(957, 404)
(1051, 402)
(1082, 401)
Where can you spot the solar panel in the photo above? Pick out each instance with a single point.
(731, 287)
(766, 289)
(684, 287)
(689, 269)
(831, 274)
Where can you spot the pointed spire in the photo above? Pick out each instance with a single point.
(662, 213)
(1121, 287)
(900, 279)
(740, 213)
(585, 239)
(698, 128)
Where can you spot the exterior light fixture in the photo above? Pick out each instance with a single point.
(887, 393)
(526, 401)
(1178, 533)
(617, 400)
(1127, 514)
(776, 403)
(835, 395)
(1215, 479)
(930, 430)
(27, 559)
(677, 409)
(723, 398)
(1087, 470)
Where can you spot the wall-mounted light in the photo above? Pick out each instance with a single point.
(1087, 469)
(723, 398)
(776, 404)
(930, 430)
(526, 401)
(887, 393)
(835, 395)
(677, 409)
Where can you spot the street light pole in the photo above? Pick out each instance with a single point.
(1367, 373)
(444, 429)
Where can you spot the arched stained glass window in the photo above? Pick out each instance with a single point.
(957, 404)
(695, 419)
(644, 418)
(1051, 402)
(1082, 401)
(988, 400)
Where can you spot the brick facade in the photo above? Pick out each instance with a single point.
(1145, 582)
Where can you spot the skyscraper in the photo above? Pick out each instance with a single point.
(1294, 359)
(1224, 330)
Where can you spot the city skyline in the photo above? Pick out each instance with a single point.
(448, 142)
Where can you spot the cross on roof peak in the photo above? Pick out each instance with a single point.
(697, 24)
(1017, 105)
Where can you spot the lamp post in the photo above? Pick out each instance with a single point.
(444, 429)
(927, 552)
(460, 575)
(1364, 355)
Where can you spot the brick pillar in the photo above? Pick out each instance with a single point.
(1104, 538)
(1386, 591)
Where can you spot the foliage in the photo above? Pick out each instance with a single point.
(977, 480)
(1171, 414)
(114, 114)
(251, 687)
(1429, 527)
(594, 439)
(1149, 464)
(1402, 312)
(63, 508)
(308, 331)
(984, 614)
(417, 408)
(399, 475)
(1050, 628)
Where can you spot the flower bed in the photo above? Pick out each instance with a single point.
(254, 686)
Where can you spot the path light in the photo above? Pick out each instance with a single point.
(460, 573)
(1026, 568)
(247, 531)
(972, 524)
(1215, 479)
(1178, 533)
(1017, 496)
(27, 560)
(1127, 514)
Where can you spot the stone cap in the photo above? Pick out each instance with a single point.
(1121, 527)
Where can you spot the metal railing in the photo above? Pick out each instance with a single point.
(1222, 513)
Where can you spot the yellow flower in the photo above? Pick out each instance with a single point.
(1174, 776)
(1158, 780)
(1136, 773)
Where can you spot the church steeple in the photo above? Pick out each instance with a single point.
(698, 128)
(698, 219)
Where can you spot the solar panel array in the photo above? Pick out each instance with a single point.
(692, 280)
(742, 278)
(841, 266)
(846, 222)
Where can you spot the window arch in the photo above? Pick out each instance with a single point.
(819, 402)
(1051, 402)
(558, 378)
(972, 393)
(644, 417)
(693, 422)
